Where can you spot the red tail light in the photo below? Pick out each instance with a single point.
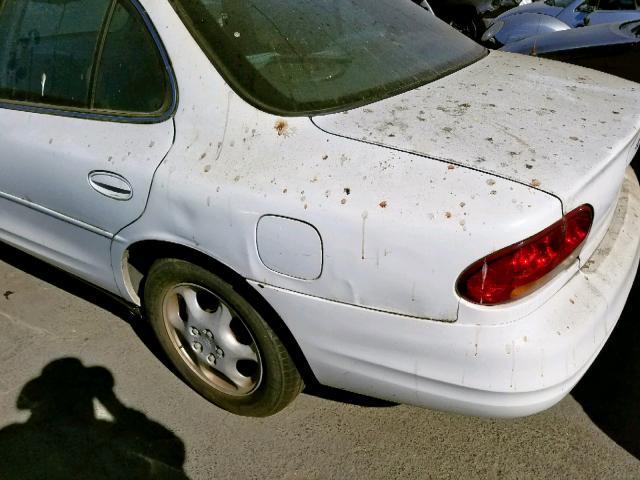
(520, 268)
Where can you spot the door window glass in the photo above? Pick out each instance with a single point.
(131, 76)
(47, 49)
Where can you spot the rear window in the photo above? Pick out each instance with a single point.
(317, 56)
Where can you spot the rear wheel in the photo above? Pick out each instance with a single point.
(218, 341)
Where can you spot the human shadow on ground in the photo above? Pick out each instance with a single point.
(65, 438)
(610, 390)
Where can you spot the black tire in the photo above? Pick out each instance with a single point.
(274, 380)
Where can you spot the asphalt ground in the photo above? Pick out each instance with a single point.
(85, 393)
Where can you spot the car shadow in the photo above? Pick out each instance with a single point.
(78, 428)
(64, 281)
(74, 286)
(85, 291)
(610, 391)
(342, 396)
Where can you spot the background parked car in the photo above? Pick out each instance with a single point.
(612, 48)
(556, 15)
(471, 17)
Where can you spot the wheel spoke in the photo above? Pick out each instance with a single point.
(172, 313)
(188, 351)
(221, 319)
(194, 311)
(228, 341)
(230, 370)
(173, 316)
(239, 351)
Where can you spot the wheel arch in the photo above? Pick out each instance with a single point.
(139, 256)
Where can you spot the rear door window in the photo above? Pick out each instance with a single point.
(47, 50)
(87, 55)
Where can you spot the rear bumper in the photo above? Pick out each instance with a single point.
(505, 369)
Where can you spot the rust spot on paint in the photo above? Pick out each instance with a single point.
(450, 167)
(383, 204)
(447, 214)
(282, 127)
(535, 182)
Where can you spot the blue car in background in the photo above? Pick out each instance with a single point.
(555, 15)
(611, 48)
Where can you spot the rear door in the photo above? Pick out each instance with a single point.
(86, 99)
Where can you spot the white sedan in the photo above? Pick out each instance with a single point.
(350, 193)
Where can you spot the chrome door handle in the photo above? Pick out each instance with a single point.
(110, 185)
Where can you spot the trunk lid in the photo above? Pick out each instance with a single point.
(555, 127)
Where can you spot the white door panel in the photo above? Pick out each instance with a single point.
(82, 252)
(46, 160)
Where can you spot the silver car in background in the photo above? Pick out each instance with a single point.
(555, 15)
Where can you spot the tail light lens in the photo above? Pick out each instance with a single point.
(520, 268)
